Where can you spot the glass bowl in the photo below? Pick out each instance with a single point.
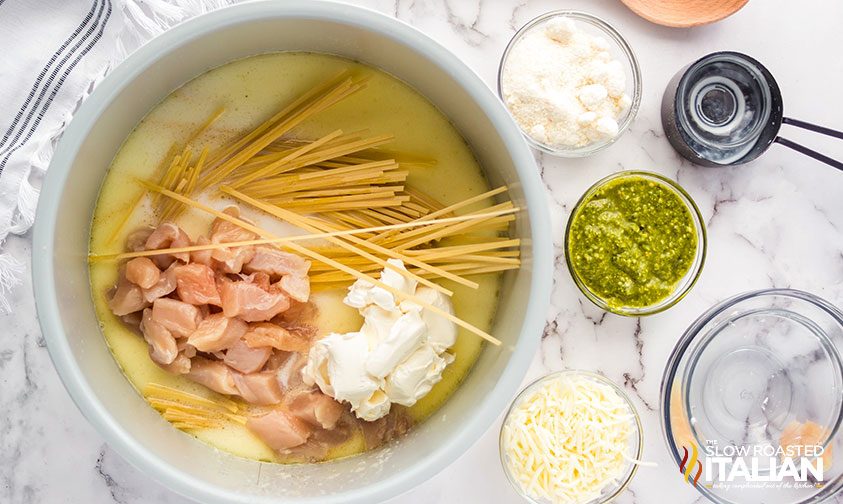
(755, 374)
(636, 445)
(619, 50)
(685, 283)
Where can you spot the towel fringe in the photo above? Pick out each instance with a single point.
(147, 18)
(11, 271)
(27, 202)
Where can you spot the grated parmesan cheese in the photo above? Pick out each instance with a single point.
(568, 440)
(563, 86)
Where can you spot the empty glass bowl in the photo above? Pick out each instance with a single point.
(751, 380)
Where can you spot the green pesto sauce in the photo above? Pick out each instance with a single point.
(632, 241)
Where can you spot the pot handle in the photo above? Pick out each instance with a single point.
(806, 151)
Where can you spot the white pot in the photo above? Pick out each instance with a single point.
(61, 235)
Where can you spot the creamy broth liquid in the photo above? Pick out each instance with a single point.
(251, 90)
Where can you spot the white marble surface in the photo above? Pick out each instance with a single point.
(777, 222)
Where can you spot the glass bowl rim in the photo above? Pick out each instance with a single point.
(669, 374)
(699, 257)
(638, 434)
(607, 29)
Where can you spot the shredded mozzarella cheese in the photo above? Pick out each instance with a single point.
(568, 440)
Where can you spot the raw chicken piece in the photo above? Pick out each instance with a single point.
(386, 428)
(279, 429)
(250, 301)
(127, 298)
(217, 332)
(302, 331)
(213, 374)
(162, 344)
(196, 284)
(276, 359)
(136, 241)
(142, 272)
(232, 259)
(186, 349)
(201, 256)
(289, 269)
(177, 316)
(133, 319)
(246, 359)
(339, 434)
(299, 320)
(313, 450)
(315, 408)
(289, 372)
(268, 334)
(223, 231)
(296, 286)
(316, 448)
(298, 314)
(165, 286)
(180, 366)
(258, 388)
(260, 279)
(168, 235)
(277, 263)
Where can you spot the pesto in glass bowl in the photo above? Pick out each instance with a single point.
(635, 243)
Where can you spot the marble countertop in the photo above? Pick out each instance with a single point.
(777, 222)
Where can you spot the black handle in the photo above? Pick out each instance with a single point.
(811, 153)
(813, 127)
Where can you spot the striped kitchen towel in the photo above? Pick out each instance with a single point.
(54, 52)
